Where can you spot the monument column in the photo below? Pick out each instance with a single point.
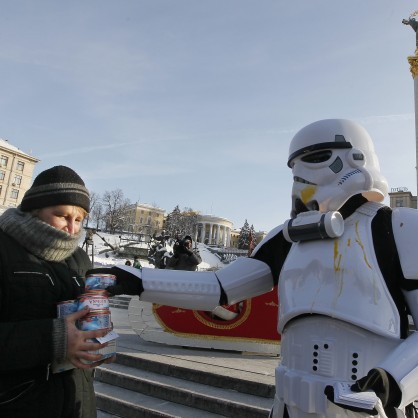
(413, 62)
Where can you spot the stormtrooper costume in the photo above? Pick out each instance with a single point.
(347, 278)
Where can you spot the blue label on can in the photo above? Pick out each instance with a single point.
(99, 281)
(95, 320)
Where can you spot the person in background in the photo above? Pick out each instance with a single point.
(128, 263)
(184, 258)
(137, 263)
(41, 264)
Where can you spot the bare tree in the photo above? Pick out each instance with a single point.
(96, 209)
(114, 207)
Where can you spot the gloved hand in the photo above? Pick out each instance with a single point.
(126, 283)
(382, 383)
(385, 387)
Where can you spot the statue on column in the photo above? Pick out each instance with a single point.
(411, 21)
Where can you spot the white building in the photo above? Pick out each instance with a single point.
(16, 170)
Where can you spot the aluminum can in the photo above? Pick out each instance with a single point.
(66, 307)
(95, 319)
(94, 299)
(99, 281)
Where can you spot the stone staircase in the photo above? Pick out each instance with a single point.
(147, 385)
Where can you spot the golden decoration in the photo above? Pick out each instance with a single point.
(210, 324)
(413, 62)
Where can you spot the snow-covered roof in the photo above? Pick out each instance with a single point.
(4, 143)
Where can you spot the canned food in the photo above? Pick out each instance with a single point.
(94, 299)
(99, 281)
(95, 319)
(66, 307)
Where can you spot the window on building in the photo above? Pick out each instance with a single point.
(2, 174)
(14, 194)
(18, 180)
(3, 161)
(20, 165)
(1, 187)
(399, 203)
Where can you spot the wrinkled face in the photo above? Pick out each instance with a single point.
(324, 179)
(63, 217)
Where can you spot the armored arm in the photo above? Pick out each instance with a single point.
(243, 279)
(402, 363)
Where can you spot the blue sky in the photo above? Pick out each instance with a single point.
(194, 103)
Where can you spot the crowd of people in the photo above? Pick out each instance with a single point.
(182, 257)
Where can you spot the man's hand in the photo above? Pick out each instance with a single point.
(128, 280)
(79, 344)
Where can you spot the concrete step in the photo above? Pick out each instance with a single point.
(169, 388)
(123, 403)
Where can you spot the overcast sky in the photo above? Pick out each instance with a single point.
(194, 102)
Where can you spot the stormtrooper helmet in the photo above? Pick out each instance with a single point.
(331, 161)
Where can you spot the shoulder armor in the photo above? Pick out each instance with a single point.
(269, 236)
(405, 232)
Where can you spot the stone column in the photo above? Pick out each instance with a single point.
(218, 234)
(210, 233)
(203, 233)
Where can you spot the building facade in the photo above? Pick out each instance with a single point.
(213, 230)
(16, 171)
(401, 197)
(144, 219)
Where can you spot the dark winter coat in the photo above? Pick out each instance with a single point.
(30, 289)
(184, 260)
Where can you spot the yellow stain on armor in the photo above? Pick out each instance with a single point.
(358, 241)
(337, 257)
(307, 193)
(339, 276)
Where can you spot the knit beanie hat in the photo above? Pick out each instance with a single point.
(58, 185)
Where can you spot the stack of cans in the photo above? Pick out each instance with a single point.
(96, 298)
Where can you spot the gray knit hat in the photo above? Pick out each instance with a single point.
(58, 185)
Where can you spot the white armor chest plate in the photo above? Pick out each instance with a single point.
(339, 278)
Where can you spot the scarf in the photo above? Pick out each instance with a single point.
(38, 237)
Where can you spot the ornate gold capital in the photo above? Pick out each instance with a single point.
(413, 62)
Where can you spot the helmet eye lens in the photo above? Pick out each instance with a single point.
(317, 157)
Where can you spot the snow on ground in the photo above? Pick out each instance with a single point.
(108, 259)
